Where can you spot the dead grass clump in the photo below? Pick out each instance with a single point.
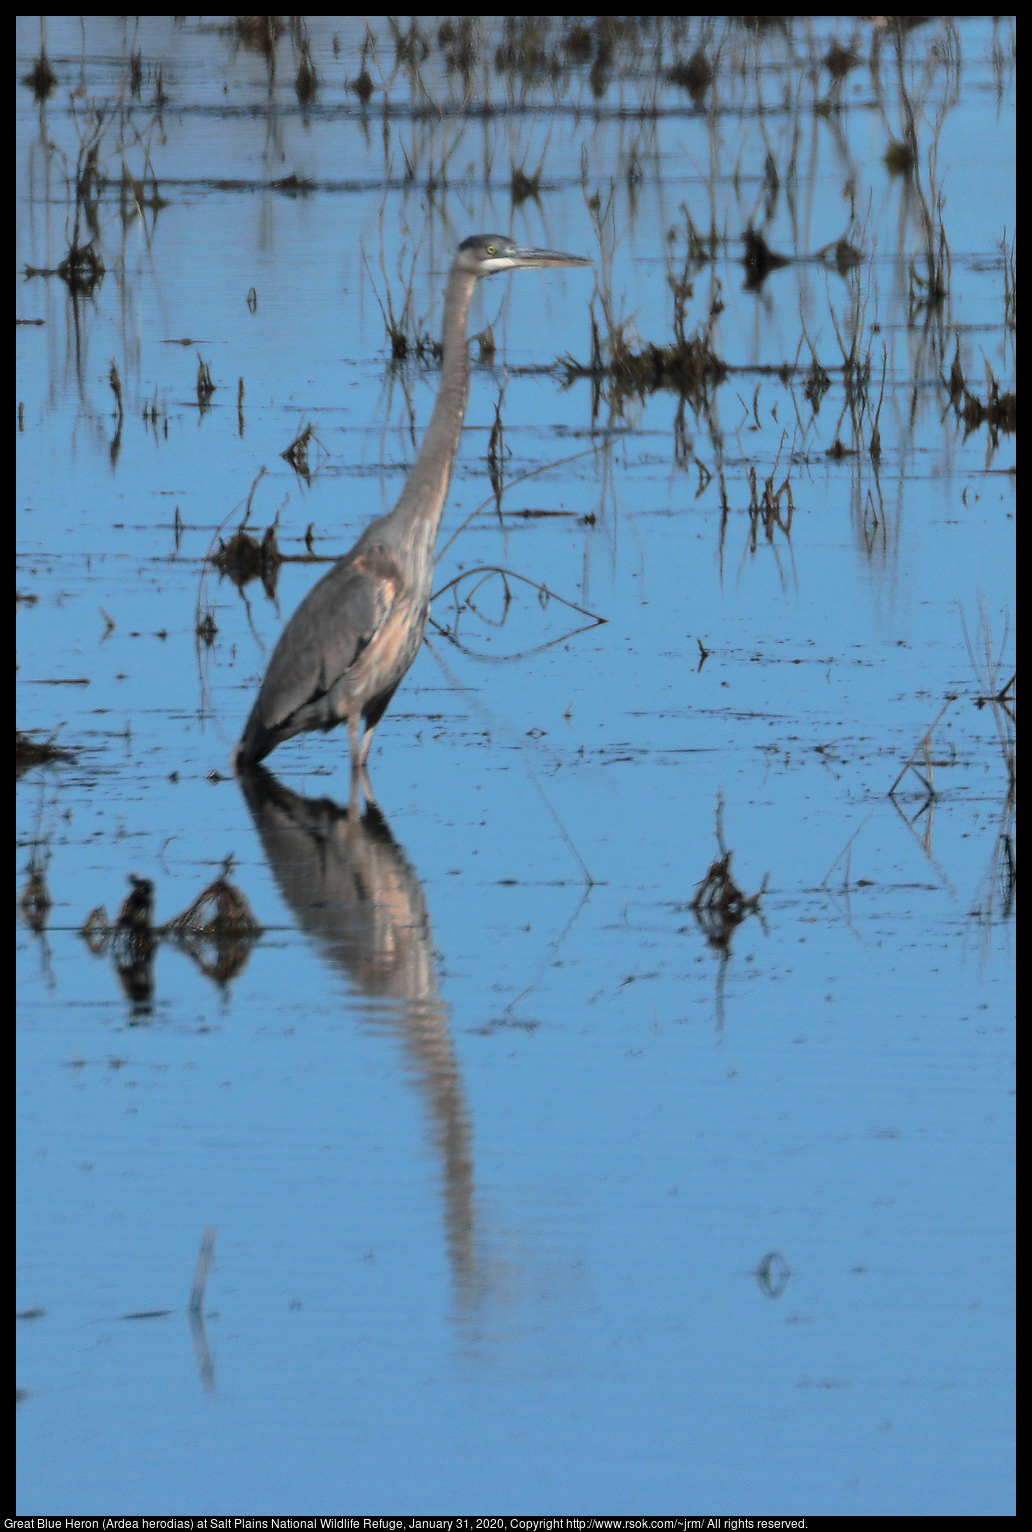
(484, 575)
(766, 510)
(82, 268)
(362, 85)
(244, 559)
(219, 913)
(838, 61)
(95, 931)
(931, 288)
(458, 42)
(29, 753)
(695, 76)
(240, 558)
(133, 942)
(900, 159)
(759, 258)
(291, 183)
(35, 901)
(217, 931)
(578, 44)
(686, 368)
(205, 386)
(923, 751)
(844, 255)
(410, 47)
(526, 50)
(41, 79)
(297, 455)
(421, 346)
(816, 385)
(307, 82)
(1000, 412)
(720, 905)
(522, 187)
(259, 34)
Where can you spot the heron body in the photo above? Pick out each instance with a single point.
(344, 652)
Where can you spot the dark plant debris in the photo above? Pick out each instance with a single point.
(29, 753)
(217, 932)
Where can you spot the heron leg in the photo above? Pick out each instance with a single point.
(367, 786)
(356, 768)
(354, 722)
(366, 743)
(363, 770)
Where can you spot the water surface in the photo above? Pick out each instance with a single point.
(539, 1185)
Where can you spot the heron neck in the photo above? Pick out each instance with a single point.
(417, 514)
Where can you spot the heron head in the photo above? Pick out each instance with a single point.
(484, 254)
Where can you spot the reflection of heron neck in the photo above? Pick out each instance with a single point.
(418, 513)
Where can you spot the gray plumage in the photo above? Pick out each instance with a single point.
(342, 655)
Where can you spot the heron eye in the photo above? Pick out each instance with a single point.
(491, 249)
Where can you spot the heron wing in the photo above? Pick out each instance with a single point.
(337, 620)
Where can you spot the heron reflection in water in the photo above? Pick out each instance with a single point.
(342, 655)
(351, 887)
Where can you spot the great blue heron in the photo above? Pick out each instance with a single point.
(342, 655)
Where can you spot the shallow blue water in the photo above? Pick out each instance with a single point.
(534, 1188)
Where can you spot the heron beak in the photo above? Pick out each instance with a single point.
(534, 258)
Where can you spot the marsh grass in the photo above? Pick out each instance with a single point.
(205, 386)
(407, 336)
(986, 662)
(999, 886)
(720, 907)
(765, 509)
(1010, 286)
(688, 366)
(922, 752)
